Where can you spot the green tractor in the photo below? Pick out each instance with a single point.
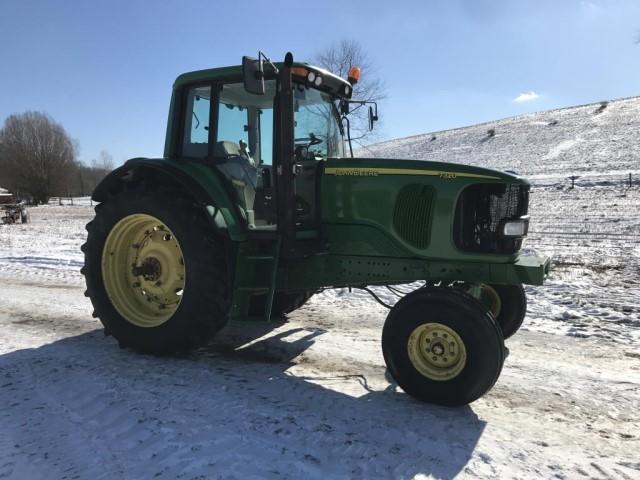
(255, 207)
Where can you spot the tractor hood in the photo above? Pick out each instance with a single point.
(420, 209)
(372, 167)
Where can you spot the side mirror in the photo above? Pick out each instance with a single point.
(373, 117)
(253, 75)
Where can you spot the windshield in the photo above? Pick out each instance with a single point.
(316, 122)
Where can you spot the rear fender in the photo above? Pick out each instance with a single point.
(202, 182)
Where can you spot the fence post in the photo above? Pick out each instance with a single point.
(573, 180)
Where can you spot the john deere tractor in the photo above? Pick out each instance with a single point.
(255, 206)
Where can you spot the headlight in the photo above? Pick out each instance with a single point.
(516, 228)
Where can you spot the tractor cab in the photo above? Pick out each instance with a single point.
(268, 129)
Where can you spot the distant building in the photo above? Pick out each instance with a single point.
(6, 197)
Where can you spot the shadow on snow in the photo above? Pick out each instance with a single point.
(80, 406)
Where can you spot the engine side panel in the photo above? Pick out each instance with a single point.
(400, 208)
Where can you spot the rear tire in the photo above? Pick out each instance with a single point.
(193, 265)
(442, 346)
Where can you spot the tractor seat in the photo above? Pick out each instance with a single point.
(240, 171)
(226, 149)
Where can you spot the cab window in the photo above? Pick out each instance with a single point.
(245, 123)
(196, 126)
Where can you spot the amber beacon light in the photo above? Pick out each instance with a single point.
(354, 75)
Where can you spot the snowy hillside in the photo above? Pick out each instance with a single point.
(590, 140)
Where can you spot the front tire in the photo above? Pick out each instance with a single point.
(442, 346)
(514, 308)
(155, 272)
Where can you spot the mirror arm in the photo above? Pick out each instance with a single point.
(346, 119)
(360, 103)
(264, 57)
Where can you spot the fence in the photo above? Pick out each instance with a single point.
(71, 201)
(625, 180)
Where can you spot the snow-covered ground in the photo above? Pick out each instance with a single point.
(310, 398)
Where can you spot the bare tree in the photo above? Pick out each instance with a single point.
(37, 157)
(338, 59)
(92, 175)
(104, 162)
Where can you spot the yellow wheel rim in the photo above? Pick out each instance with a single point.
(143, 270)
(436, 351)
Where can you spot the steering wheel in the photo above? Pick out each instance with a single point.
(311, 140)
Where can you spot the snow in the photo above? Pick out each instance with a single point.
(310, 397)
(575, 141)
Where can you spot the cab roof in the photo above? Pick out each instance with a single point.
(236, 71)
(208, 74)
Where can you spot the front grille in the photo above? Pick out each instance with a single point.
(412, 214)
(481, 211)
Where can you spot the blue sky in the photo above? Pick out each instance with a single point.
(104, 69)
